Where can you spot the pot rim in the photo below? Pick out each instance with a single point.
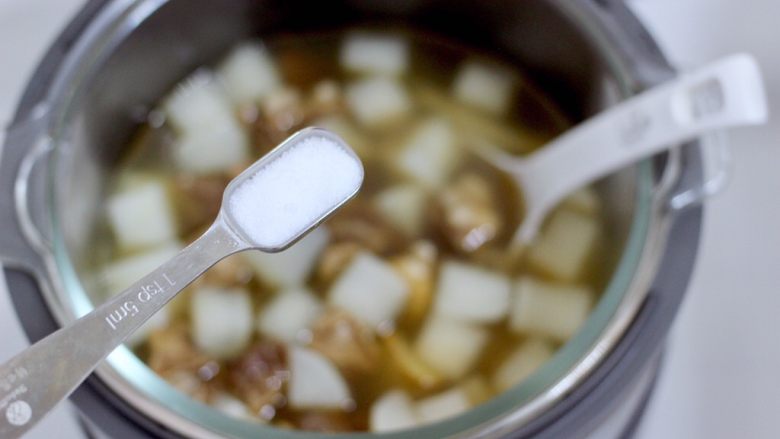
(637, 266)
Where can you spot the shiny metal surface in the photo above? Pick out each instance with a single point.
(47, 372)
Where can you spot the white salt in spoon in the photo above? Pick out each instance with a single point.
(726, 93)
(270, 206)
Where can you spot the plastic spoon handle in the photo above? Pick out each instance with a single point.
(726, 93)
(34, 381)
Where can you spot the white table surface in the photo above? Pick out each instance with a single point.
(722, 372)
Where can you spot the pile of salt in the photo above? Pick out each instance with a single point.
(293, 187)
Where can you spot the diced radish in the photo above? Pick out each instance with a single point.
(221, 321)
(315, 383)
(209, 136)
(126, 181)
(549, 309)
(442, 406)
(450, 346)
(392, 411)
(584, 201)
(217, 149)
(471, 293)
(142, 216)
(288, 313)
(404, 206)
(249, 74)
(430, 155)
(370, 290)
(485, 86)
(563, 247)
(124, 272)
(375, 53)
(528, 357)
(291, 267)
(377, 100)
(198, 105)
(231, 406)
(159, 320)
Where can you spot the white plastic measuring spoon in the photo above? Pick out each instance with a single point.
(726, 93)
(268, 207)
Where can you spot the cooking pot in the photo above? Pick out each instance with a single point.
(117, 58)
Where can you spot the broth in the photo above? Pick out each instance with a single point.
(430, 214)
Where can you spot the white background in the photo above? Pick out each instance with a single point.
(722, 372)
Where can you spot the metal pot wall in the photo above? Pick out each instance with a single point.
(117, 58)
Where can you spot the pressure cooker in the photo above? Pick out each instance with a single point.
(117, 58)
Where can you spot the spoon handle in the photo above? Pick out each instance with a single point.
(726, 93)
(34, 381)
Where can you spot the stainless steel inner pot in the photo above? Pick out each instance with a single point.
(119, 57)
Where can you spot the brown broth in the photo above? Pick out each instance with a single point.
(306, 59)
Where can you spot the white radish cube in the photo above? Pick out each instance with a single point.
(315, 383)
(211, 150)
(231, 406)
(404, 207)
(375, 53)
(134, 179)
(442, 406)
(142, 216)
(430, 155)
(288, 313)
(249, 74)
(291, 267)
(553, 310)
(584, 201)
(369, 289)
(449, 346)
(159, 320)
(563, 247)
(471, 293)
(209, 138)
(122, 273)
(521, 363)
(221, 321)
(377, 100)
(485, 86)
(198, 105)
(392, 411)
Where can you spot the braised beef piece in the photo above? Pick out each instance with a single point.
(467, 214)
(258, 377)
(175, 358)
(348, 343)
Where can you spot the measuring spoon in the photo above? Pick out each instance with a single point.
(726, 93)
(268, 207)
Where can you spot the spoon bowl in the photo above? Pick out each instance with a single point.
(726, 93)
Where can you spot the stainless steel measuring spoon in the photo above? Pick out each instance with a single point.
(726, 93)
(34, 381)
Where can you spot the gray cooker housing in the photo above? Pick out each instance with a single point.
(591, 404)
